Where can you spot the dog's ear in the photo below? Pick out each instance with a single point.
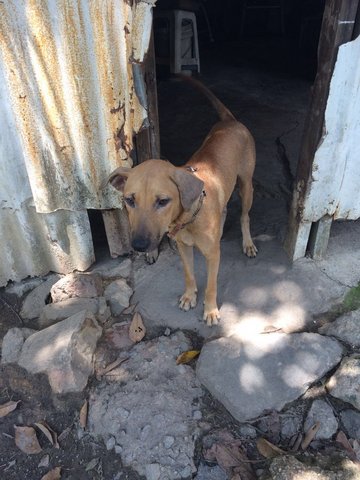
(118, 178)
(189, 186)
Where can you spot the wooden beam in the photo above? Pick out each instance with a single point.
(337, 28)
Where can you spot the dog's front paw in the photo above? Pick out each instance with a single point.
(187, 301)
(211, 316)
(152, 256)
(249, 249)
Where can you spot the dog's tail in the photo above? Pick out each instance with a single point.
(222, 111)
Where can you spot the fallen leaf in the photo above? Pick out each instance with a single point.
(54, 474)
(8, 407)
(310, 435)
(137, 328)
(112, 366)
(26, 440)
(92, 464)
(268, 449)
(64, 433)
(186, 357)
(44, 462)
(230, 456)
(49, 433)
(344, 442)
(83, 414)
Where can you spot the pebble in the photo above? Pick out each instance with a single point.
(197, 415)
(110, 444)
(168, 441)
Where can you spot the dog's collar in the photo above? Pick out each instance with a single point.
(179, 226)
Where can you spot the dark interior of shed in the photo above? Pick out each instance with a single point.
(260, 58)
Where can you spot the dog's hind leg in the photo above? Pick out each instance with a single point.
(246, 194)
(188, 299)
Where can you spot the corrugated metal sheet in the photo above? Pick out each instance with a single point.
(335, 185)
(68, 112)
(69, 64)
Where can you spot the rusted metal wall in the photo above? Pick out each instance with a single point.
(68, 112)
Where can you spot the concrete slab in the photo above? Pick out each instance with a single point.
(253, 293)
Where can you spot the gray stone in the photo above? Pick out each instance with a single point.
(351, 422)
(54, 312)
(64, 352)
(210, 473)
(152, 471)
(20, 288)
(13, 342)
(264, 372)
(35, 301)
(286, 467)
(122, 270)
(290, 426)
(344, 384)
(110, 444)
(320, 411)
(118, 294)
(247, 431)
(345, 328)
(148, 405)
(83, 285)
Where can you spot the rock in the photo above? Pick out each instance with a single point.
(110, 444)
(264, 372)
(35, 301)
(291, 426)
(118, 294)
(54, 312)
(152, 471)
(351, 422)
(83, 285)
(147, 407)
(345, 328)
(13, 342)
(20, 288)
(122, 270)
(210, 473)
(344, 384)
(287, 467)
(320, 411)
(64, 352)
(247, 431)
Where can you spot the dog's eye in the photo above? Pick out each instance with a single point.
(162, 202)
(129, 201)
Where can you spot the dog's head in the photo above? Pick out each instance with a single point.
(155, 193)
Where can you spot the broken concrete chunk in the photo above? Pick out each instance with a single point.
(320, 411)
(344, 384)
(345, 328)
(64, 352)
(55, 312)
(35, 301)
(118, 294)
(264, 372)
(83, 285)
(13, 342)
(122, 270)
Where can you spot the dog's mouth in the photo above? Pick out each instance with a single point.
(144, 244)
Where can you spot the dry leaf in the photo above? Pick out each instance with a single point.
(268, 449)
(49, 433)
(54, 474)
(310, 435)
(8, 407)
(186, 357)
(92, 464)
(26, 440)
(44, 462)
(344, 442)
(111, 366)
(64, 433)
(137, 328)
(83, 414)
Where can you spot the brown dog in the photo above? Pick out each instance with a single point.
(189, 202)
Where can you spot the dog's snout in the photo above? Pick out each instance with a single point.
(140, 243)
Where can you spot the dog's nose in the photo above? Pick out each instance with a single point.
(140, 244)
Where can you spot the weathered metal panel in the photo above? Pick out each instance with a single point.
(69, 64)
(335, 186)
(68, 112)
